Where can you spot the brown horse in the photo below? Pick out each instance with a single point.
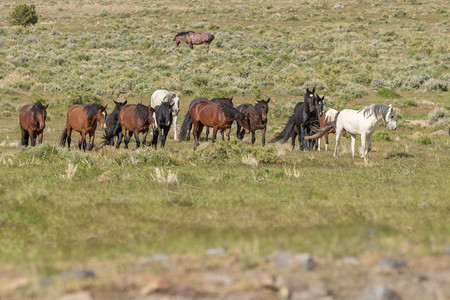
(135, 118)
(32, 122)
(216, 115)
(257, 115)
(191, 38)
(84, 120)
(324, 120)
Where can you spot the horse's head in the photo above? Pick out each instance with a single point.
(309, 99)
(243, 121)
(164, 113)
(40, 113)
(119, 105)
(319, 105)
(101, 115)
(263, 107)
(390, 118)
(150, 118)
(176, 103)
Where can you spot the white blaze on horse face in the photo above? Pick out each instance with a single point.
(104, 114)
(391, 119)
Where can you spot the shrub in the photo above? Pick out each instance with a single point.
(438, 117)
(387, 93)
(83, 98)
(423, 140)
(436, 85)
(23, 15)
(410, 103)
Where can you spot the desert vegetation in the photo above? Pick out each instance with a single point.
(108, 210)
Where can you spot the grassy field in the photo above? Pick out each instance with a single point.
(60, 209)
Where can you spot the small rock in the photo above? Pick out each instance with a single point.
(161, 258)
(158, 285)
(77, 296)
(218, 279)
(390, 264)
(69, 275)
(282, 259)
(55, 32)
(447, 250)
(379, 293)
(216, 251)
(347, 260)
(339, 6)
(306, 261)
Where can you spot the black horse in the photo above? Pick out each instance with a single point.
(113, 125)
(163, 123)
(313, 123)
(186, 127)
(298, 124)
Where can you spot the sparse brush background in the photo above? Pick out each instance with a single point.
(58, 205)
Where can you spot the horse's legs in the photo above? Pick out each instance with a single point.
(188, 136)
(174, 121)
(40, 136)
(80, 142)
(163, 137)
(83, 139)
(369, 143)
(119, 140)
(318, 144)
(253, 137)
(263, 132)
(196, 132)
(338, 136)
(353, 137)
(177, 43)
(69, 137)
(221, 132)
(144, 139)
(191, 45)
(227, 133)
(238, 132)
(25, 137)
(301, 138)
(214, 136)
(293, 137)
(91, 140)
(326, 141)
(363, 145)
(207, 133)
(32, 138)
(136, 137)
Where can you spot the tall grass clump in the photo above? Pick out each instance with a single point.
(23, 15)
(438, 118)
(387, 94)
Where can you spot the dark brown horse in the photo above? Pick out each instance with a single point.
(257, 116)
(216, 115)
(135, 118)
(191, 38)
(32, 122)
(84, 120)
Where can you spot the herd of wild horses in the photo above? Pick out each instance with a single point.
(308, 123)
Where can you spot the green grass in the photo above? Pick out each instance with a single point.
(230, 195)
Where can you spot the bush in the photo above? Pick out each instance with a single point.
(387, 93)
(381, 136)
(423, 140)
(23, 15)
(83, 98)
(438, 118)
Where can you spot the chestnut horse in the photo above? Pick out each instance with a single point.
(32, 122)
(84, 120)
(324, 120)
(216, 115)
(191, 38)
(135, 118)
(257, 116)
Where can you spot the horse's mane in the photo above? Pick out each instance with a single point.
(379, 110)
(228, 101)
(37, 106)
(183, 33)
(142, 110)
(92, 110)
(229, 110)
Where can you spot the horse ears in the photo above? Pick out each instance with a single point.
(307, 90)
(105, 106)
(231, 98)
(314, 90)
(268, 100)
(46, 106)
(125, 102)
(115, 102)
(390, 105)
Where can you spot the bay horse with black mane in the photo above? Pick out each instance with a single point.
(216, 115)
(112, 124)
(185, 131)
(163, 121)
(32, 122)
(84, 120)
(134, 119)
(191, 38)
(257, 116)
(298, 123)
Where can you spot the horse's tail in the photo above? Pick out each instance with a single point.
(187, 123)
(322, 131)
(286, 133)
(63, 139)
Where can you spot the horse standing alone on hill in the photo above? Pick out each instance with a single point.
(191, 38)
(32, 122)
(84, 120)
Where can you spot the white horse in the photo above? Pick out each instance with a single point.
(161, 96)
(359, 122)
